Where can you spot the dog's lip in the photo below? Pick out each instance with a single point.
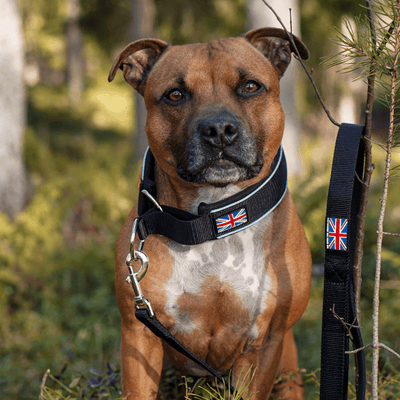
(228, 171)
(224, 166)
(218, 162)
(222, 162)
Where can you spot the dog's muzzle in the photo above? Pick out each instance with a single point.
(220, 151)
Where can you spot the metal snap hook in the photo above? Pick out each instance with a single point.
(135, 277)
(139, 255)
(132, 242)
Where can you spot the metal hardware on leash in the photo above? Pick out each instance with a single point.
(133, 235)
(135, 277)
(152, 199)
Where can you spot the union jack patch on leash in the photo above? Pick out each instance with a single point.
(231, 220)
(336, 233)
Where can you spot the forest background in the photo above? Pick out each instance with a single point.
(80, 151)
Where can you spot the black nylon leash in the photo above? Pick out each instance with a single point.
(341, 228)
(163, 333)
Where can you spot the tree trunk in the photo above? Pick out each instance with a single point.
(13, 180)
(74, 53)
(142, 27)
(260, 16)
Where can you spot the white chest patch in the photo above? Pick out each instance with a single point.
(237, 260)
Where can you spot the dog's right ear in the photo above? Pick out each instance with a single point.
(136, 60)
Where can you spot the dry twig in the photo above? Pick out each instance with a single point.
(378, 266)
(43, 384)
(391, 234)
(347, 325)
(380, 345)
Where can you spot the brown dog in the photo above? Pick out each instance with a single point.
(214, 125)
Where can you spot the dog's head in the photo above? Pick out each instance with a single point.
(214, 115)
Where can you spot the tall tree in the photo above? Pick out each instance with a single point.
(74, 53)
(142, 27)
(13, 180)
(259, 16)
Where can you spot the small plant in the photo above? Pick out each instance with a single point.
(208, 392)
(99, 385)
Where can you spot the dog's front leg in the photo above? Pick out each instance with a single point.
(142, 360)
(265, 361)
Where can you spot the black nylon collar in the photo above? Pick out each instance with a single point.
(215, 220)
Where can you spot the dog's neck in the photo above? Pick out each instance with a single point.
(218, 209)
(189, 196)
(212, 194)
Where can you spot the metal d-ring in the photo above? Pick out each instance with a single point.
(133, 235)
(135, 277)
(152, 199)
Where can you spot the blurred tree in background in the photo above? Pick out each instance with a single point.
(13, 183)
(57, 301)
(259, 15)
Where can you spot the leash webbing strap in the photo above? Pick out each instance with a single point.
(163, 333)
(341, 228)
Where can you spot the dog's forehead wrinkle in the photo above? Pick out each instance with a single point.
(211, 49)
(200, 61)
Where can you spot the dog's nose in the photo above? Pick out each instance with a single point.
(219, 131)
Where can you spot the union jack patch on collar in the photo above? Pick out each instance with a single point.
(231, 220)
(336, 233)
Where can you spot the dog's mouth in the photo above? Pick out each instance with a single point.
(220, 171)
(220, 150)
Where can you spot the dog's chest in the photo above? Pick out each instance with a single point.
(225, 276)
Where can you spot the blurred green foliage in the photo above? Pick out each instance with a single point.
(56, 276)
(57, 300)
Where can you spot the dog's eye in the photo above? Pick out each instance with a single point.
(175, 95)
(251, 86)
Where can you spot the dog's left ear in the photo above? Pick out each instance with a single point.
(275, 45)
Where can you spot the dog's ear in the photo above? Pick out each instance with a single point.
(136, 60)
(275, 45)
